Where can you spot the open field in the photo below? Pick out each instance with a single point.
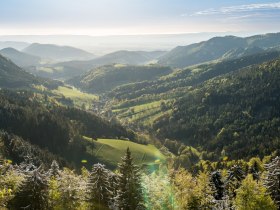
(79, 98)
(111, 151)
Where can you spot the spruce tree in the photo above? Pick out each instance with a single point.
(217, 185)
(32, 193)
(234, 179)
(130, 193)
(272, 180)
(98, 187)
(54, 170)
(255, 171)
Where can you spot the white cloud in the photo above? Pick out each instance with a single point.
(240, 9)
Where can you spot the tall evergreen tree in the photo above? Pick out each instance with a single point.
(130, 192)
(99, 187)
(234, 179)
(217, 185)
(272, 179)
(255, 171)
(32, 194)
(54, 170)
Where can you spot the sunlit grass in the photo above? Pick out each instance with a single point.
(79, 98)
(112, 150)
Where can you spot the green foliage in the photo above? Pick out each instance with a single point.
(218, 48)
(252, 195)
(130, 192)
(98, 186)
(32, 193)
(106, 78)
(158, 191)
(233, 114)
(272, 179)
(59, 129)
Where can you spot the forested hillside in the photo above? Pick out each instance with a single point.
(106, 78)
(14, 77)
(20, 58)
(236, 114)
(219, 48)
(58, 129)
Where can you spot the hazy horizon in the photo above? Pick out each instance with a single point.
(135, 17)
(100, 45)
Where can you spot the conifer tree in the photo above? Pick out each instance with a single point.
(233, 182)
(217, 185)
(98, 187)
(272, 179)
(113, 182)
(32, 194)
(130, 193)
(54, 170)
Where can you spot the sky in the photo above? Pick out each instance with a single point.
(127, 17)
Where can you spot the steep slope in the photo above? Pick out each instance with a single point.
(11, 76)
(236, 114)
(264, 41)
(20, 58)
(218, 48)
(57, 53)
(106, 78)
(58, 129)
(201, 52)
(188, 77)
(141, 104)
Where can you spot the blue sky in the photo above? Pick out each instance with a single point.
(108, 17)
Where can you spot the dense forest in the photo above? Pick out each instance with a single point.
(144, 134)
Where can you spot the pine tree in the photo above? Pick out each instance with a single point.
(32, 194)
(130, 193)
(272, 179)
(98, 187)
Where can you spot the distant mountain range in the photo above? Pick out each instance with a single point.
(219, 48)
(66, 70)
(20, 58)
(57, 53)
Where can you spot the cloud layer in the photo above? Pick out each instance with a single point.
(240, 9)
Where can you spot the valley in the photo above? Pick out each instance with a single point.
(202, 117)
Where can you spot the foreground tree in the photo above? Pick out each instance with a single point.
(272, 180)
(54, 170)
(252, 195)
(72, 190)
(233, 182)
(32, 193)
(217, 185)
(98, 187)
(130, 193)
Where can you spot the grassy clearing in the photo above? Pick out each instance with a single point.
(79, 98)
(110, 151)
(143, 114)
